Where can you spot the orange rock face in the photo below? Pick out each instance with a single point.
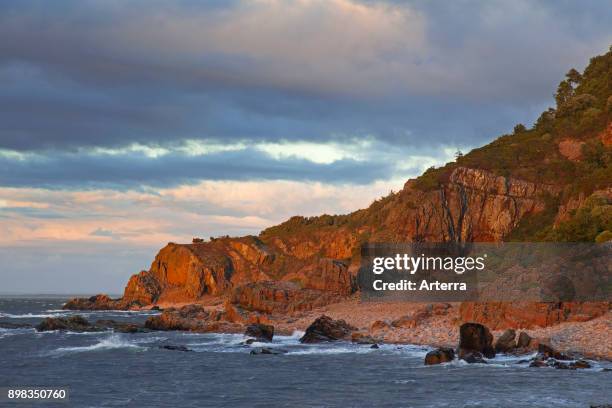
(305, 263)
(527, 315)
(280, 297)
(571, 149)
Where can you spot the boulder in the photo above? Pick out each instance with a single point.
(325, 329)
(260, 332)
(523, 340)
(441, 355)
(74, 323)
(474, 337)
(374, 346)
(364, 338)
(505, 342)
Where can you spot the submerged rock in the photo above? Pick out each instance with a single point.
(265, 350)
(260, 332)
(325, 329)
(374, 346)
(473, 357)
(581, 364)
(474, 337)
(174, 347)
(439, 356)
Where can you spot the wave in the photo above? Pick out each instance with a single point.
(30, 315)
(108, 343)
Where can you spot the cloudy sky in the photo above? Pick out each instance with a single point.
(125, 125)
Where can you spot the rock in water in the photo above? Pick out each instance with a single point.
(326, 329)
(265, 350)
(580, 364)
(174, 348)
(439, 356)
(505, 342)
(261, 332)
(475, 337)
(74, 323)
(546, 352)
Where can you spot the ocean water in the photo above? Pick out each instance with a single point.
(130, 370)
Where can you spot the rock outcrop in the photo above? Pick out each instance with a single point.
(80, 324)
(98, 302)
(194, 318)
(326, 329)
(280, 297)
(74, 323)
(500, 315)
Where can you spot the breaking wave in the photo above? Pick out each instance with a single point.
(108, 343)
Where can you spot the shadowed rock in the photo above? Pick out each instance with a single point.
(474, 337)
(74, 323)
(505, 342)
(326, 329)
(260, 332)
(174, 347)
(523, 340)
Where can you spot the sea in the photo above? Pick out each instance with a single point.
(107, 369)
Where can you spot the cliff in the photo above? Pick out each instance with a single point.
(550, 182)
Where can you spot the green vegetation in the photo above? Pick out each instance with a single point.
(582, 112)
(590, 222)
(584, 107)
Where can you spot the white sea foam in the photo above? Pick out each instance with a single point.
(108, 343)
(30, 315)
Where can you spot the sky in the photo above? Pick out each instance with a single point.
(127, 125)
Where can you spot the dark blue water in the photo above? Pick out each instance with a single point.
(130, 370)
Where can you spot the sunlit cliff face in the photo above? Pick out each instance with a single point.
(125, 125)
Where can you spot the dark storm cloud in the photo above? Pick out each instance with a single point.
(411, 74)
(70, 170)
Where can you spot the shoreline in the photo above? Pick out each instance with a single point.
(395, 323)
